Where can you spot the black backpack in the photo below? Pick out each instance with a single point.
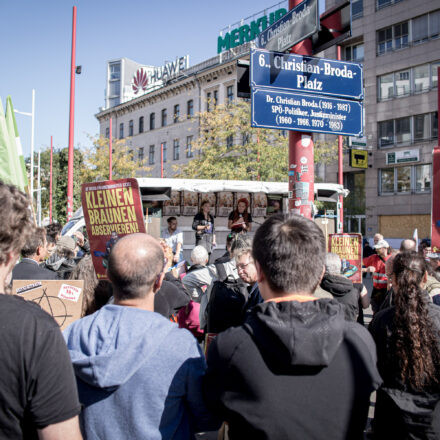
(226, 302)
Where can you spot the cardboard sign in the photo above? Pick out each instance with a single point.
(190, 203)
(172, 207)
(112, 209)
(349, 249)
(225, 203)
(61, 299)
(259, 204)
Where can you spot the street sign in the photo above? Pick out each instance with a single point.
(298, 24)
(301, 73)
(358, 158)
(304, 112)
(404, 156)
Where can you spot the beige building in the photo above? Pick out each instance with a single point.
(398, 42)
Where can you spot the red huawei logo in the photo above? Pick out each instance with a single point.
(140, 81)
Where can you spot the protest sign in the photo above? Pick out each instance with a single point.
(112, 209)
(61, 299)
(349, 249)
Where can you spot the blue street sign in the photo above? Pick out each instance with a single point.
(301, 73)
(299, 23)
(304, 112)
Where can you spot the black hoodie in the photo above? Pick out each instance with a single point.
(344, 292)
(293, 371)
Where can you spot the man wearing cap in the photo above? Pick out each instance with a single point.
(376, 265)
(62, 261)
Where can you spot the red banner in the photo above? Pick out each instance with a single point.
(112, 209)
(349, 249)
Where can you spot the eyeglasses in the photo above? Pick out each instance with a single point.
(243, 266)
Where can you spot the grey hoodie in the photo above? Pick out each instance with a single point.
(138, 375)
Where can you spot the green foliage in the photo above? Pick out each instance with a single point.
(254, 153)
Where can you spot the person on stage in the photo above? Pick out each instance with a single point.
(203, 224)
(240, 221)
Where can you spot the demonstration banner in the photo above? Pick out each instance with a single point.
(112, 209)
(62, 299)
(349, 249)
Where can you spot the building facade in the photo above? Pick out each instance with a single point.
(398, 43)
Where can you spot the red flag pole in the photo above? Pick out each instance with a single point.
(51, 179)
(301, 160)
(340, 226)
(71, 120)
(110, 151)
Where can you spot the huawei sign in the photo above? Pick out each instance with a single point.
(140, 81)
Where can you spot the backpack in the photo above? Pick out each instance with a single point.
(226, 302)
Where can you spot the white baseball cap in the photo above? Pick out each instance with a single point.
(381, 244)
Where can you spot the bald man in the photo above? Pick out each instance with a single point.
(138, 374)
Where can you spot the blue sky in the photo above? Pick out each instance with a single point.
(35, 42)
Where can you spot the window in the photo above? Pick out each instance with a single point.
(115, 71)
(403, 130)
(190, 109)
(401, 35)
(423, 178)
(121, 131)
(354, 53)
(386, 86)
(402, 83)
(418, 79)
(130, 155)
(434, 74)
(130, 127)
(114, 101)
(176, 149)
(403, 179)
(164, 151)
(141, 124)
(164, 117)
(229, 141)
(230, 94)
(141, 155)
(420, 29)
(189, 151)
(421, 127)
(421, 78)
(245, 139)
(384, 3)
(115, 87)
(215, 97)
(107, 132)
(208, 102)
(152, 121)
(434, 24)
(392, 38)
(386, 133)
(151, 155)
(176, 113)
(407, 130)
(387, 181)
(357, 9)
(434, 125)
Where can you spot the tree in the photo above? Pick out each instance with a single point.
(96, 161)
(229, 148)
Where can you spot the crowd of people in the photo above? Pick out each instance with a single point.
(265, 343)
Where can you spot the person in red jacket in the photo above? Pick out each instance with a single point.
(376, 264)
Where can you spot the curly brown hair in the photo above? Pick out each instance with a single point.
(15, 220)
(416, 341)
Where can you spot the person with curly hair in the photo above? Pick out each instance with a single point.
(239, 220)
(38, 394)
(407, 336)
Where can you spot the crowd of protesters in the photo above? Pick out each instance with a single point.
(265, 343)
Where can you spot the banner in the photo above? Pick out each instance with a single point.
(61, 299)
(112, 209)
(349, 249)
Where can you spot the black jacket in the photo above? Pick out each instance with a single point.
(344, 292)
(400, 413)
(281, 376)
(169, 299)
(29, 269)
(61, 265)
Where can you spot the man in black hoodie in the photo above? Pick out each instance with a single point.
(296, 369)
